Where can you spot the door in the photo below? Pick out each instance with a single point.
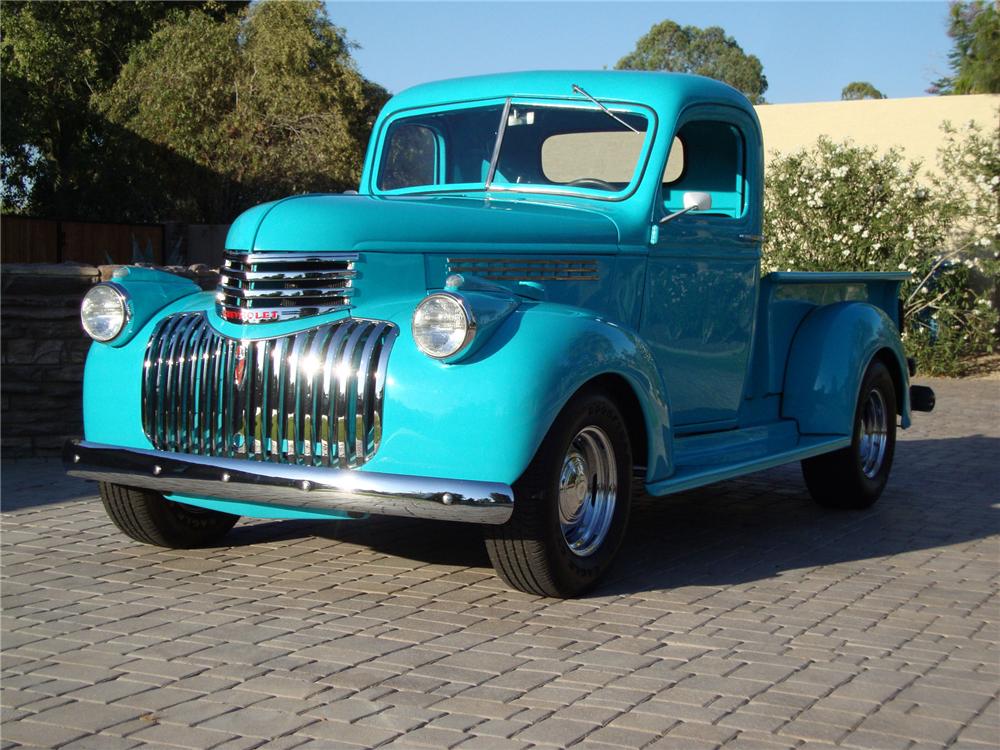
(703, 273)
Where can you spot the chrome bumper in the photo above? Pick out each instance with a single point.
(290, 485)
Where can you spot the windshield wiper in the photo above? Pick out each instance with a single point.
(579, 90)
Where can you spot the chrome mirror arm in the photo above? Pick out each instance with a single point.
(675, 214)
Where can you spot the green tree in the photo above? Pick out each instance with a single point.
(860, 90)
(268, 99)
(974, 27)
(707, 52)
(54, 148)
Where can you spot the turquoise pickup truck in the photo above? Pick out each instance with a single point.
(546, 285)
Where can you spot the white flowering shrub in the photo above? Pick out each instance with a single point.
(843, 207)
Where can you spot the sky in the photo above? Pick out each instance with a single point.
(810, 50)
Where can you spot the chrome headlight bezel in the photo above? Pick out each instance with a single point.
(124, 301)
(467, 315)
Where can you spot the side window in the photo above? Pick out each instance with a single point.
(411, 159)
(710, 160)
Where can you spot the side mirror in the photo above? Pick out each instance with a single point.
(693, 201)
(697, 201)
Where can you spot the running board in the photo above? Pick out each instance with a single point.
(689, 477)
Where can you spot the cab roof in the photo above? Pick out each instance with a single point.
(663, 92)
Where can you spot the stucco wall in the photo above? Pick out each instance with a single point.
(913, 124)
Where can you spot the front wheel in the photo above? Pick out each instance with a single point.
(854, 477)
(150, 518)
(571, 505)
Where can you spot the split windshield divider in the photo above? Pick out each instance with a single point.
(496, 146)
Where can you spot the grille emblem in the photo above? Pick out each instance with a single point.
(250, 316)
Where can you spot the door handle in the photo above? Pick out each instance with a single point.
(754, 238)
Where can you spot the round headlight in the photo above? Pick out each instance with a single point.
(104, 312)
(443, 325)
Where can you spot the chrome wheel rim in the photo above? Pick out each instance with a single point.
(874, 434)
(588, 490)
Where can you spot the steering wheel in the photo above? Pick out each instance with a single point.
(593, 182)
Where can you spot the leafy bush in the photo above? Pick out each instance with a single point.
(844, 207)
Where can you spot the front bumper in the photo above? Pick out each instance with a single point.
(291, 485)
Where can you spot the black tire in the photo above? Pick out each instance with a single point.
(150, 518)
(530, 552)
(854, 477)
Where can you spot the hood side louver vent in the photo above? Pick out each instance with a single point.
(265, 287)
(522, 269)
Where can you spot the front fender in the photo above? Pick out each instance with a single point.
(829, 355)
(484, 418)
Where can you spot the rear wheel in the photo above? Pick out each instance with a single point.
(854, 477)
(150, 518)
(571, 505)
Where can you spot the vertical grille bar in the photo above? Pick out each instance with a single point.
(202, 418)
(345, 372)
(361, 408)
(227, 398)
(292, 397)
(378, 390)
(191, 408)
(150, 370)
(314, 397)
(217, 389)
(161, 380)
(310, 394)
(261, 406)
(174, 366)
(280, 362)
(329, 398)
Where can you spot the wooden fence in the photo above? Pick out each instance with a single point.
(27, 240)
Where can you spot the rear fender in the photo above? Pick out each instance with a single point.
(829, 354)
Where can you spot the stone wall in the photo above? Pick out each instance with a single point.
(43, 349)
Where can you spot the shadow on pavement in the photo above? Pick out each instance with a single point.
(942, 492)
(38, 482)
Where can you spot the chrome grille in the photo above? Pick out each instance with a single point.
(313, 397)
(525, 269)
(263, 287)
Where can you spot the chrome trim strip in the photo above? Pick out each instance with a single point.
(331, 275)
(292, 486)
(297, 293)
(290, 257)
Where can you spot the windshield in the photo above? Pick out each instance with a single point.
(531, 147)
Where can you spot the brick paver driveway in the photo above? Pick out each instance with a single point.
(739, 615)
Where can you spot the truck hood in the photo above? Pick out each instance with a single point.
(315, 223)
